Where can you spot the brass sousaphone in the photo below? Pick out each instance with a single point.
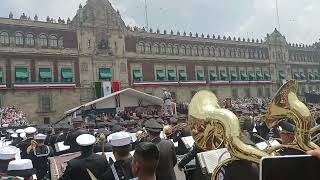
(213, 127)
(286, 104)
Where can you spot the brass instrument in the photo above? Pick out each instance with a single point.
(286, 104)
(142, 134)
(33, 145)
(315, 134)
(213, 127)
(168, 130)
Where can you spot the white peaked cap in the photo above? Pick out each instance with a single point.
(10, 131)
(19, 131)
(86, 140)
(30, 130)
(120, 139)
(18, 165)
(5, 125)
(14, 135)
(23, 135)
(8, 152)
(40, 137)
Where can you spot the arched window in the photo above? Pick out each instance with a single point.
(30, 40)
(219, 52)
(224, 52)
(140, 47)
(163, 49)
(234, 53)
(176, 49)
(4, 38)
(148, 48)
(183, 50)
(43, 42)
(156, 49)
(19, 39)
(189, 50)
(170, 50)
(213, 52)
(195, 51)
(239, 53)
(208, 53)
(229, 53)
(201, 51)
(53, 41)
(60, 43)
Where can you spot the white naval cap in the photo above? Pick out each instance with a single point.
(23, 135)
(85, 140)
(8, 152)
(5, 125)
(14, 135)
(30, 130)
(19, 131)
(40, 137)
(120, 139)
(10, 131)
(18, 165)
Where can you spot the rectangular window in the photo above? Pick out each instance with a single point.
(267, 75)
(45, 75)
(105, 74)
(282, 75)
(311, 76)
(160, 75)
(172, 75)
(234, 75)
(223, 75)
(296, 76)
(213, 75)
(252, 76)
(1, 75)
(182, 75)
(136, 74)
(200, 75)
(45, 104)
(303, 76)
(243, 75)
(259, 75)
(46, 120)
(21, 75)
(66, 75)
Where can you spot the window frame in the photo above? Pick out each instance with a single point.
(19, 39)
(45, 80)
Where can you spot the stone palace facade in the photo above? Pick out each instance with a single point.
(49, 67)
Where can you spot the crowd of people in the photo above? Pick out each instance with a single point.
(142, 145)
(13, 116)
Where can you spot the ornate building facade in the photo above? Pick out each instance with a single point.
(48, 67)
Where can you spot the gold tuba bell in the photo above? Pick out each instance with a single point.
(213, 127)
(286, 104)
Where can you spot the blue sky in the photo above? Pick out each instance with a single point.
(239, 18)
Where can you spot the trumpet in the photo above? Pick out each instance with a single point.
(169, 130)
(142, 134)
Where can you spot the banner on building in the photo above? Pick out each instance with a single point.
(116, 86)
(106, 88)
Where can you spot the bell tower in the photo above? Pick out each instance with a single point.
(101, 43)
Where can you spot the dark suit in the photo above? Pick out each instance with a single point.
(167, 161)
(177, 135)
(23, 145)
(123, 169)
(77, 168)
(98, 147)
(71, 139)
(239, 170)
